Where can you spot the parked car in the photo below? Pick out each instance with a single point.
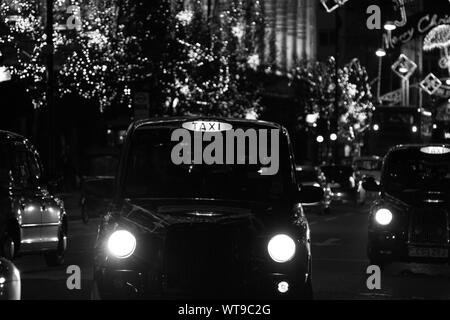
(313, 176)
(341, 181)
(368, 166)
(197, 230)
(409, 222)
(97, 181)
(32, 220)
(10, 284)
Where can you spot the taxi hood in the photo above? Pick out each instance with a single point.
(421, 198)
(156, 215)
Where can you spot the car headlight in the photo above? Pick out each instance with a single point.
(121, 244)
(281, 248)
(383, 216)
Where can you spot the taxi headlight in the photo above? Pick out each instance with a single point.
(383, 216)
(281, 248)
(121, 244)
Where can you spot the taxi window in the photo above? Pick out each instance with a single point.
(415, 172)
(35, 168)
(20, 169)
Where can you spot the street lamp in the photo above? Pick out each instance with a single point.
(333, 137)
(380, 53)
(390, 26)
(320, 139)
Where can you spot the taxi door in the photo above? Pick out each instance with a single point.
(49, 209)
(28, 197)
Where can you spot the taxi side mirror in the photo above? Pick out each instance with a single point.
(369, 184)
(310, 194)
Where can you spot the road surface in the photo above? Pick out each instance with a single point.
(339, 264)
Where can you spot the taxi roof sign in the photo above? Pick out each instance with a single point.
(207, 126)
(435, 150)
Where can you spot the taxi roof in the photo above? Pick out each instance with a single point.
(418, 146)
(11, 136)
(179, 120)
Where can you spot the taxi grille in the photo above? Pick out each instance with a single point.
(206, 258)
(429, 226)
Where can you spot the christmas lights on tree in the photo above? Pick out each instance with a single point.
(22, 36)
(212, 61)
(93, 58)
(316, 87)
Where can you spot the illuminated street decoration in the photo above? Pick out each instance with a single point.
(430, 84)
(331, 5)
(404, 68)
(444, 62)
(439, 38)
(415, 27)
(404, 19)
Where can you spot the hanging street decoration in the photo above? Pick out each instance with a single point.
(417, 25)
(400, 4)
(331, 5)
(430, 84)
(404, 67)
(439, 38)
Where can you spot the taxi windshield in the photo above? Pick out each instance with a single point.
(152, 173)
(412, 170)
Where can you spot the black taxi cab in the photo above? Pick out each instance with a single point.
(410, 220)
(32, 220)
(183, 226)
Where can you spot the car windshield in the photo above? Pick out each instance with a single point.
(151, 172)
(368, 165)
(307, 175)
(412, 170)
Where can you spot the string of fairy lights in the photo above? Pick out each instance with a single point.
(98, 59)
(93, 61)
(210, 73)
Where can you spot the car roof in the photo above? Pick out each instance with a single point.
(367, 158)
(417, 146)
(179, 120)
(305, 168)
(11, 136)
